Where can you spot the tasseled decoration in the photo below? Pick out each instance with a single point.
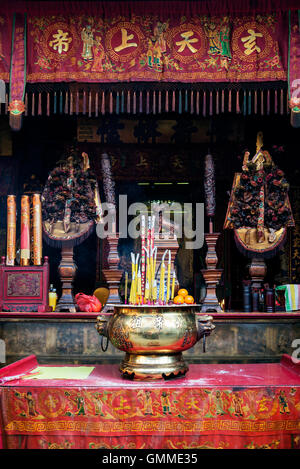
(61, 103)
(128, 102)
(39, 104)
(238, 109)
(210, 103)
(245, 103)
(167, 101)
(275, 102)
(281, 101)
(141, 102)
(204, 104)
(26, 104)
(84, 103)
(147, 102)
(67, 103)
(186, 101)
(255, 102)
(192, 102)
(54, 103)
(173, 101)
(77, 103)
(229, 101)
(6, 103)
(118, 103)
(134, 103)
(97, 104)
(90, 104)
(111, 110)
(33, 104)
(103, 103)
(159, 101)
(287, 103)
(223, 101)
(262, 102)
(217, 103)
(268, 102)
(71, 103)
(198, 103)
(122, 102)
(154, 103)
(180, 103)
(249, 103)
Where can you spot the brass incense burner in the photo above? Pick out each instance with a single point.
(153, 338)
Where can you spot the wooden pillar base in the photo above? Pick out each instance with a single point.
(212, 278)
(113, 274)
(257, 271)
(211, 275)
(67, 271)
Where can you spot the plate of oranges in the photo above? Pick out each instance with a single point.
(183, 297)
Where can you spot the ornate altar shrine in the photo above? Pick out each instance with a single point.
(259, 210)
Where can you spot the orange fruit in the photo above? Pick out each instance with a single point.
(178, 300)
(188, 299)
(182, 292)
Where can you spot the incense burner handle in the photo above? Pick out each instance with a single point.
(102, 329)
(204, 328)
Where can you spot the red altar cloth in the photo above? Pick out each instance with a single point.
(215, 406)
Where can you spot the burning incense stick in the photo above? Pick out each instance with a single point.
(126, 286)
(173, 286)
(168, 278)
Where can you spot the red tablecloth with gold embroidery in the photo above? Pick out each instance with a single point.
(214, 406)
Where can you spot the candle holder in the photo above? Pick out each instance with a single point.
(211, 275)
(112, 274)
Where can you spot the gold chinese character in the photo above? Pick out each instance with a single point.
(61, 41)
(250, 42)
(125, 41)
(186, 42)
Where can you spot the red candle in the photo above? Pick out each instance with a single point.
(25, 231)
(11, 230)
(37, 229)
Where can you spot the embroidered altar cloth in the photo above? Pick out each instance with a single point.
(213, 406)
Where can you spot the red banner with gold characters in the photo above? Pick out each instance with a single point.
(145, 48)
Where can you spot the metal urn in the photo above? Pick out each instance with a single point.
(154, 337)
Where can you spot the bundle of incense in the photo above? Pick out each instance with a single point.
(148, 292)
(153, 296)
(161, 295)
(143, 260)
(139, 287)
(133, 299)
(152, 220)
